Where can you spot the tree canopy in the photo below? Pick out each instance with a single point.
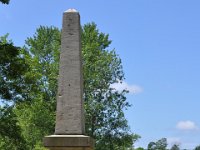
(197, 147)
(5, 1)
(32, 88)
(158, 145)
(175, 147)
(12, 68)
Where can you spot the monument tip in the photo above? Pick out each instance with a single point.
(71, 10)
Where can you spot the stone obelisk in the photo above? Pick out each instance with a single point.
(69, 115)
(70, 126)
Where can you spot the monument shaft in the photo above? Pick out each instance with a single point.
(70, 114)
(70, 129)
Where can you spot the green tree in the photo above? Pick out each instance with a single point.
(104, 106)
(35, 120)
(5, 1)
(10, 131)
(151, 146)
(175, 147)
(159, 145)
(12, 68)
(23, 76)
(139, 148)
(36, 95)
(197, 148)
(36, 115)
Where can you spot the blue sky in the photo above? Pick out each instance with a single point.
(159, 44)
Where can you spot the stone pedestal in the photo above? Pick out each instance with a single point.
(68, 142)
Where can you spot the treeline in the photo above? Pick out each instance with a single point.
(162, 145)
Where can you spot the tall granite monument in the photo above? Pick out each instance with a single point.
(70, 126)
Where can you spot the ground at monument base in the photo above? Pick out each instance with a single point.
(68, 142)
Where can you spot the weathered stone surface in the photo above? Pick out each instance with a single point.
(70, 114)
(68, 141)
(70, 129)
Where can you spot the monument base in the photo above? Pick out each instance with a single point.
(68, 142)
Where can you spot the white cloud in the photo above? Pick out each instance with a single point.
(133, 89)
(182, 142)
(186, 125)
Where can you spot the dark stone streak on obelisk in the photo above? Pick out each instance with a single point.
(69, 113)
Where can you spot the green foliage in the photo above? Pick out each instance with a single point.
(151, 146)
(12, 68)
(10, 131)
(34, 100)
(42, 55)
(36, 115)
(36, 120)
(139, 148)
(5, 1)
(27, 71)
(104, 106)
(159, 145)
(197, 148)
(175, 147)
